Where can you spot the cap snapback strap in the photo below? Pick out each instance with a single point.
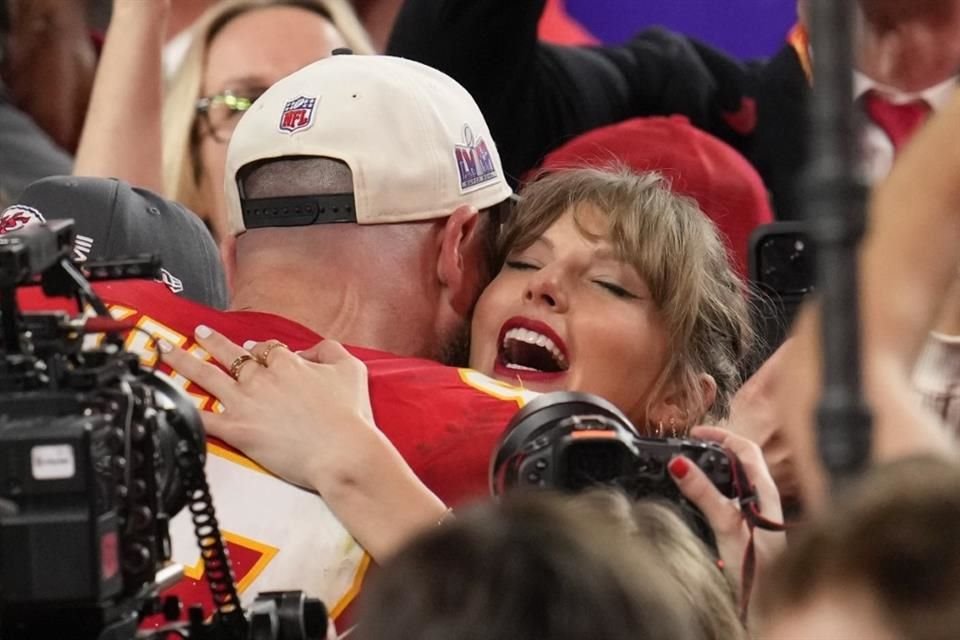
(298, 211)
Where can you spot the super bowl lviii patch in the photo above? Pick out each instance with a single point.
(82, 246)
(297, 114)
(474, 161)
(19, 216)
(173, 283)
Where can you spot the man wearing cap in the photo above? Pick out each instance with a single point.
(350, 212)
(352, 218)
(114, 220)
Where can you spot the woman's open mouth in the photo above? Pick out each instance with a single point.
(530, 350)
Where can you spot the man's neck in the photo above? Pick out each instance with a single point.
(346, 313)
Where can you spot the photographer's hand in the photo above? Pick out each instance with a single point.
(310, 422)
(724, 515)
(755, 415)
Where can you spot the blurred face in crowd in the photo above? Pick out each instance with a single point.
(910, 46)
(566, 314)
(247, 55)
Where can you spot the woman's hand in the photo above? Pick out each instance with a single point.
(295, 417)
(728, 523)
(307, 418)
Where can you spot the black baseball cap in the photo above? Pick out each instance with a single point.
(113, 220)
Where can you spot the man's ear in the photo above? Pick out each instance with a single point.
(228, 256)
(460, 259)
(675, 406)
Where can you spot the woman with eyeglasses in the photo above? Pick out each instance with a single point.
(178, 146)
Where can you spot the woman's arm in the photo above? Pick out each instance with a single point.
(122, 134)
(910, 254)
(908, 263)
(307, 418)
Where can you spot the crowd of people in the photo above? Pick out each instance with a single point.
(386, 226)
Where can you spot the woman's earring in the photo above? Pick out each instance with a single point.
(660, 429)
(673, 427)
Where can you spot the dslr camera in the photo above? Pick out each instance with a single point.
(571, 441)
(97, 454)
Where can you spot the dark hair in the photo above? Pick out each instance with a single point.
(4, 30)
(528, 568)
(895, 538)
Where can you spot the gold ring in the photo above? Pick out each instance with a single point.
(262, 358)
(238, 364)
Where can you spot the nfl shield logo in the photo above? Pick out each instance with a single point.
(297, 114)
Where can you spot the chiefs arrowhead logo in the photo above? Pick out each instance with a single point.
(19, 216)
(744, 120)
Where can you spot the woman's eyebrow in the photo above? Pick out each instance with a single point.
(606, 252)
(545, 241)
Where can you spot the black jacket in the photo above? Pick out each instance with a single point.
(535, 96)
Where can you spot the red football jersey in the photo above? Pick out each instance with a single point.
(443, 420)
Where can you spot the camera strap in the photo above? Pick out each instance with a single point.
(750, 509)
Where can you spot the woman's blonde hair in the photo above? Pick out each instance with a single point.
(182, 171)
(528, 567)
(710, 597)
(676, 249)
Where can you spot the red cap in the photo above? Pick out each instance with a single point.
(698, 165)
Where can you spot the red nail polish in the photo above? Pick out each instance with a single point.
(679, 467)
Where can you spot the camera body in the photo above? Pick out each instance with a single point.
(571, 441)
(97, 453)
(87, 459)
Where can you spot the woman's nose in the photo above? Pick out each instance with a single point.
(545, 288)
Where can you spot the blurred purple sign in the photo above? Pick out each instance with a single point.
(745, 28)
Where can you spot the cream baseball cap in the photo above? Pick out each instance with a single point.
(414, 139)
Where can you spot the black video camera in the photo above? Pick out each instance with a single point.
(572, 441)
(97, 454)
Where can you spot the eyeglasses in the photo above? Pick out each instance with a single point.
(220, 113)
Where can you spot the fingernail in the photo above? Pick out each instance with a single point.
(203, 331)
(679, 467)
(249, 344)
(164, 346)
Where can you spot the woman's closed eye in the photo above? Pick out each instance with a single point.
(521, 265)
(616, 289)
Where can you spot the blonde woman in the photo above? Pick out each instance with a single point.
(238, 48)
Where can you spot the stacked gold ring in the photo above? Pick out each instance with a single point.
(238, 364)
(262, 358)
